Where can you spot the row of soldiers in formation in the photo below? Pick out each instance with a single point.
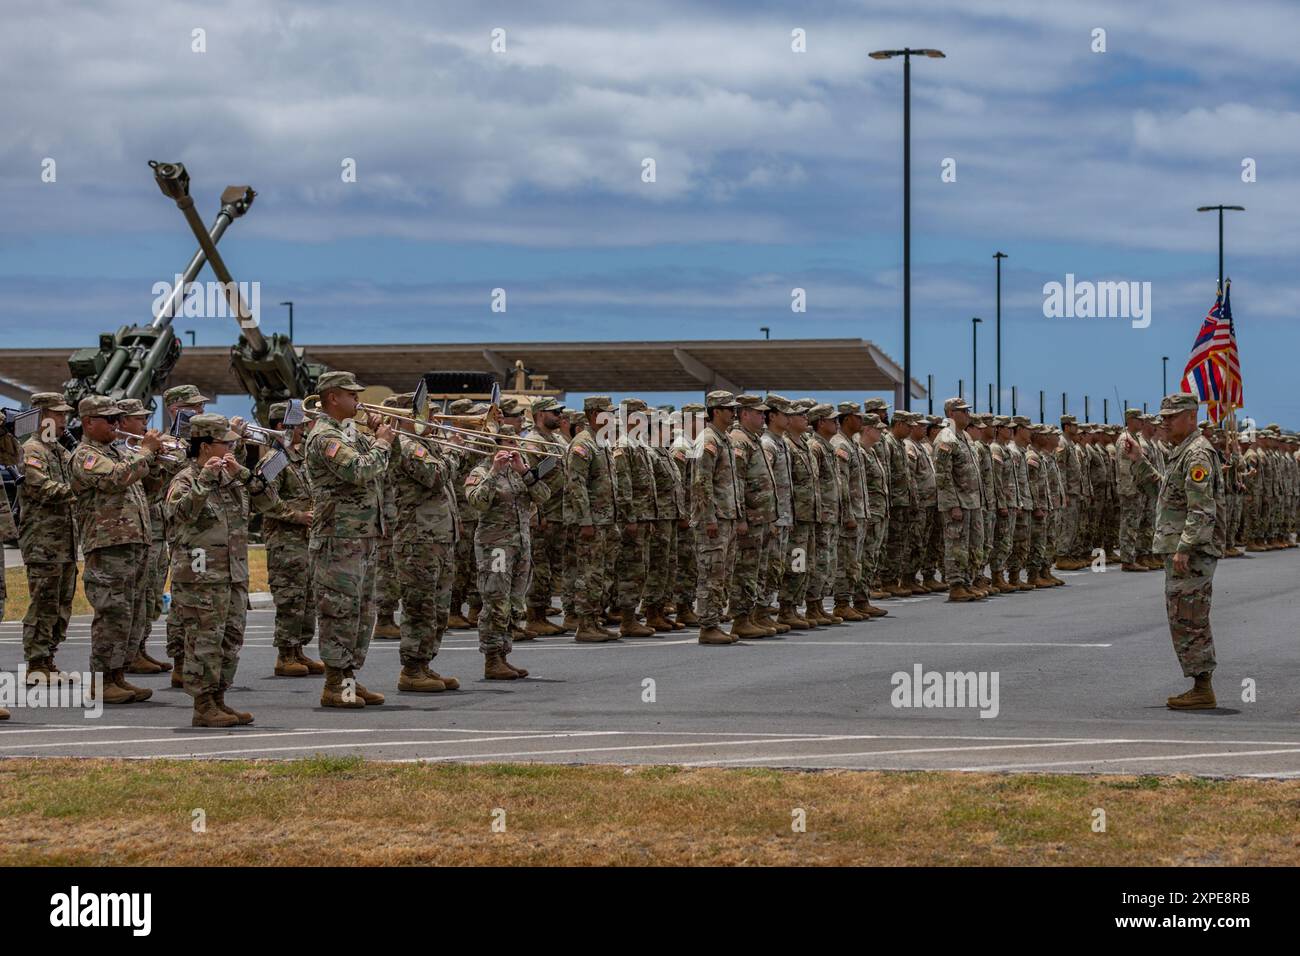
(758, 514)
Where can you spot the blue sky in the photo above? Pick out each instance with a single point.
(522, 170)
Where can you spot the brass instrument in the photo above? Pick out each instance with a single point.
(311, 408)
(132, 441)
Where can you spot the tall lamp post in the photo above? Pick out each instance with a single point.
(907, 53)
(290, 305)
(1220, 209)
(1164, 375)
(998, 257)
(974, 364)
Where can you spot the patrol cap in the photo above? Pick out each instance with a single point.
(133, 408)
(1178, 403)
(510, 406)
(212, 428)
(778, 403)
(667, 409)
(98, 406)
(954, 405)
(277, 411)
(720, 399)
(692, 408)
(871, 420)
(184, 395)
(848, 408)
(507, 431)
(820, 411)
(50, 402)
(1021, 421)
(902, 417)
(344, 380)
(399, 401)
(546, 403)
(752, 401)
(479, 408)
(1002, 421)
(984, 419)
(934, 420)
(877, 405)
(460, 406)
(800, 406)
(1068, 420)
(597, 403)
(634, 404)
(1133, 413)
(572, 415)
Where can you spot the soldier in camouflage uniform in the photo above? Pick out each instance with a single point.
(880, 408)
(1006, 501)
(113, 518)
(902, 505)
(634, 471)
(1189, 534)
(1132, 499)
(548, 536)
(960, 491)
(757, 508)
(877, 486)
(805, 498)
(1056, 498)
(1069, 463)
(683, 452)
(286, 508)
(821, 582)
(388, 585)
(932, 558)
(852, 528)
(207, 509)
(717, 514)
(465, 587)
(670, 494)
(921, 466)
(502, 491)
(570, 420)
(981, 586)
(591, 507)
(345, 471)
(1018, 451)
(774, 447)
(47, 537)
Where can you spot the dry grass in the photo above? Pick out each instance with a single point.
(17, 602)
(345, 811)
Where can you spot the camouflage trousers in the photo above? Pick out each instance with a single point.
(548, 565)
(774, 558)
(343, 576)
(503, 573)
(213, 617)
(114, 581)
(1132, 510)
(1038, 541)
(159, 563)
(1020, 539)
(988, 522)
(424, 574)
(932, 560)
(922, 521)
(630, 566)
(465, 588)
(898, 541)
(821, 578)
(157, 552)
(289, 576)
(51, 586)
(175, 634)
(848, 561)
(1233, 503)
(591, 569)
(569, 566)
(1067, 526)
(873, 539)
(687, 567)
(1004, 534)
(751, 552)
(797, 562)
(662, 573)
(963, 538)
(715, 557)
(388, 590)
(1187, 604)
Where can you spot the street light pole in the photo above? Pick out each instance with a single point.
(1220, 209)
(290, 305)
(1164, 375)
(906, 53)
(974, 364)
(998, 257)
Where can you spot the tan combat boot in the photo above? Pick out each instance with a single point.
(918, 588)
(241, 716)
(766, 617)
(415, 679)
(846, 612)
(119, 678)
(686, 615)
(934, 584)
(654, 618)
(1134, 566)
(865, 606)
(591, 633)
(142, 665)
(288, 665)
(371, 698)
(715, 635)
(162, 666)
(1040, 580)
(313, 666)
(332, 694)
(38, 672)
(570, 623)
(4, 714)
(519, 671)
(1200, 697)
(449, 682)
(629, 626)
(207, 714)
(471, 619)
(958, 594)
(386, 629)
(758, 619)
(178, 669)
(112, 693)
(745, 628)
(494, 668)
(457, 622)
(791, 619)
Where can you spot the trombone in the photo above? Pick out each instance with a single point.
(132, 441)
(440, 421)
(311, 408)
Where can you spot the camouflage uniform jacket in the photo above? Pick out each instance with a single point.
(670, 490)
(1038, 478)
(426, 501)
(716, 491)
(345, 473)
(1068, 461)
(902, 486)
(553, 508)
(778, 458)
(849, 457)
(1024, 499)
(985, 459)
(956, 470)
(504, 502)
(803, 469)
(1005, 494)
(46, 502)
(208, 517)
(283, 499)
(1055, 488)
(828, 481)
(921, 461)
(757, 480)
(111, 505)
(876, 479)
(1124, 482)
(633, 472)
(589, 496)
(1189, 510)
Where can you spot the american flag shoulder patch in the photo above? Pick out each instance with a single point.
(711, 448)
(35, 462)
(90, 462)
(581, 451)
(420, 451)
(332, 447)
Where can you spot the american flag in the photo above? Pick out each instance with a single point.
(1213, 372)
(1227, 335)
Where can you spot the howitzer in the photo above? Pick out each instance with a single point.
(270, 369)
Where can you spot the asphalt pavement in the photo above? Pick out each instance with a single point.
(1082, 673)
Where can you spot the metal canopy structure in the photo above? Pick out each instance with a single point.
(790, 365)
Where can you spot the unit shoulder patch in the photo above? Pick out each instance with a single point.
(1198, 472)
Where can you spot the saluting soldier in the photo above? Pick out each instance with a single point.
(207, 508)
(591, 508)
(757, 507)
(1189, 535)
(113, 519)
(345, 471)
(502, 491)
(852, 527)
(47, 536)
(717, 503)
(286, 508)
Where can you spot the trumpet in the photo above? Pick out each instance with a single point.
(179, 448)
(257, 435)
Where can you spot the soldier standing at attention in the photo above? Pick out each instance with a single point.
(822, 581)
(777, 453)
(113, 518)
(1018, 450)
(502, 490)
(877, 485)
(902, 504)
(633, 471)
(465, 587)
(798, 558)
(922, 466)
(683, 451)
(717, 503)
(978, 435)
(548, 536)
(286, 509)
(1189, 534)
(345, 472)
(207, 508)
(1132, 499)
(853, 512)
(1006, 500)
(757, 507)
(957, 478)
(47, 536)
(670, 495)
(591, 508)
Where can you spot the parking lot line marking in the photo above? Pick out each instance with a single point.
(1075, 763)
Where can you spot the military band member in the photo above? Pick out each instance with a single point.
(757, 506)
(345, 471)
(47, 536)
(548, 536)
(182, 402)
(11, 455)
(717, 514)
(465, 588)
(388, 587)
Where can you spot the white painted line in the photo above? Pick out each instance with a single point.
(388, 743)
(798, 643)
(882, 753)
(175, 739)
(1068, 763)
